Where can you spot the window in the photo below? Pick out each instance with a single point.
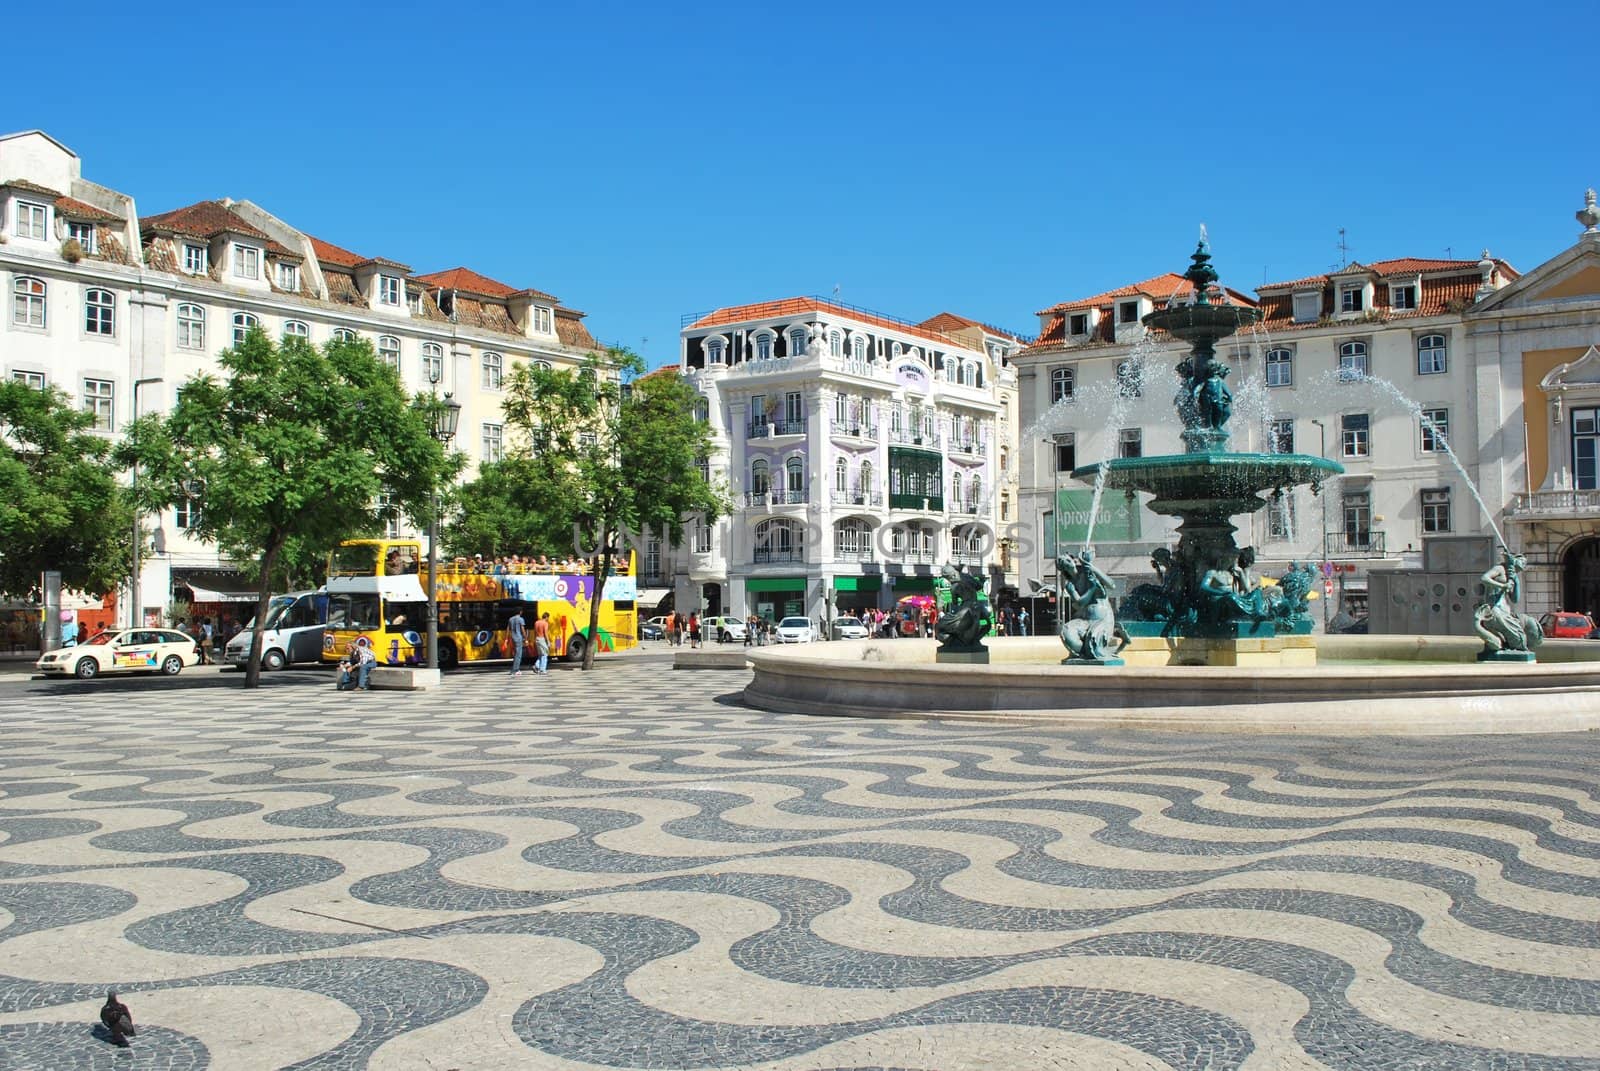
(858, 347)
(491, 370)
(956, 488)
(1063, 384)
(970, 375)
(388, 290)
(1066, 444)
(974, 491)
(541, 319)
(1005, 507)
(186, 511)
(1307, 307)
(98, 398)
(1435, 430)
(432, 362)
(795, 470)
(760, 477)
(702, 538)
(1130, 379)
(246, 262)
(31, 219)
(835, 344)
(288, 277)
(296, 329)
(864, 479)
(191, 327)
(1357, 509)
(242, 323)
(916, 479)
(1280, 367)
(389, 351)
(951, 370)
(1353, 362)
(27, 302)
(194, 259)
(36, 380)
(1350, 298)
(414, 302)
(779, 541)
(1436, 509)
(1431, 355)
(391, 515)
(797, 342)
(1280, 434)
(852, 539)
(702, 410)
(1585, 449)
(794, 411)
(1128, 312)
(343, 334)
(1130, 442)
(652, 557)
(763, 347)
(84, 235)
(100, 313)
(1355, 431)
(715, 351)
(1403, 297)
(492, 442)
(1079, 324)
(1280, 518)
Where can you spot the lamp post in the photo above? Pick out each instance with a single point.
(1322, 452)
(446, 415)
(135, 612)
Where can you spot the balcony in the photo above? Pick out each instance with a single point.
(964, 509)
(763, 499)
(1571, 503)
(858, 497)
(853, 554)
(913, 437)
(965, 558)
(970, 448)
(1354, 545)
(771, 429)
(854, 430)
(774, 555)
(919, 556)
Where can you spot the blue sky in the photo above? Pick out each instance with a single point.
(644, 161)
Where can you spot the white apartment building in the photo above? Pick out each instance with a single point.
(118, 310)
(861, 452)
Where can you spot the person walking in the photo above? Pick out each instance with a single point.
(202, 638)
(750, 630)
(541, 644)
(1022, 621)
(519, 638)
(694, 629)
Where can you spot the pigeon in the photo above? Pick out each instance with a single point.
(115, 1017)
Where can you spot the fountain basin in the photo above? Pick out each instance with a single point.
(1197, 481)
(1024, 683)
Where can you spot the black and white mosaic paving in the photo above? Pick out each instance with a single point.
(629, 869)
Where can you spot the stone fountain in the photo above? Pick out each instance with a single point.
(1206, 608)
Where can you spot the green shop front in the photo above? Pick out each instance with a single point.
(853, 595)
(776, 597)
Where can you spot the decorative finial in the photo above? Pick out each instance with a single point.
(1589, 215)
(1201, 273)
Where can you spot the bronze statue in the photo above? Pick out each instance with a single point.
(1505, 631)
(965, 616)
(1092, 628)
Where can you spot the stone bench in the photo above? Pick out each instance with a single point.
(403, 679)
(719, 657)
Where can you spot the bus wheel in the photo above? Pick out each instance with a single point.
(448, 659)
(273, 659)
(576, 646)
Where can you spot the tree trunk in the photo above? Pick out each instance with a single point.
(600, 568)
(252, 671)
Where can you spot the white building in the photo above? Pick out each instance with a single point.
(119, 310)
(860, 452)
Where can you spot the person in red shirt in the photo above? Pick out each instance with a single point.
(541, 643)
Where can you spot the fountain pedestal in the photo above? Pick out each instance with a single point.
(1257, 651)
(979, 657)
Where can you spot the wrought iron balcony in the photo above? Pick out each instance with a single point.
(768, 555)
(1354, 544)
(764, 429)
(859, 497)
(774, 497)
(855, 429)
(913, 436)
(970, 447)
(965, 558)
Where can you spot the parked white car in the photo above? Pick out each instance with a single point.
(131, 650)
(848, 628)
(723, 629)
(795, 630)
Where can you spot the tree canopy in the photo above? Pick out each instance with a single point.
(60, 505)
(599, 452)
(293, 450)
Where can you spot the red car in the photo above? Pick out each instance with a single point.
(1567, 626)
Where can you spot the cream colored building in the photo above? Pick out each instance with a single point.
(118, 310)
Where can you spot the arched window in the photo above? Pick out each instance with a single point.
(1280, 367)
(242, 323)
(764, 346)
(702, 410)
(841, 478)
(858, 347)
(952, 369)
(343, 334)
(797, 342)
(835, 344)
(1432, 358)
(864, 478)
(1063, 385)
(389, 351)
(759, 476)
(296, 329)
(895, 350)
(852, 538)
(100, 312)
(1353, 363)
(955, 487)
(795, 471)
(715, 351)
(28, 302)
(896, 421)
(779, 540)
(432, 362)
(974, 491)
(493, 369)
(969, 374)
(539, 366)
(191, 327)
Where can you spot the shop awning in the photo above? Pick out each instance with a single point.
(775, 583)
(208, 595)
(214, 585)
(911, 585)
(858, 583)
(652, 597)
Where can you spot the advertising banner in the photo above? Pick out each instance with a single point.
(1118, 521)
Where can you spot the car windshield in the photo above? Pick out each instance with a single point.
(795, 622)
(100, 639)
(280, 603)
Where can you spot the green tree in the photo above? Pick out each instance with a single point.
(293, 451)
(60, 505)
(600, 452)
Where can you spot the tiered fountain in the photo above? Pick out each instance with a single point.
(1206, 609)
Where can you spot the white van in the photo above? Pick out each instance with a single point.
(293, 632)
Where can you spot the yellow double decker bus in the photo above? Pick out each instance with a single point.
(377, 597)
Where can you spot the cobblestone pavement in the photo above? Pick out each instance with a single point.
(630, 869)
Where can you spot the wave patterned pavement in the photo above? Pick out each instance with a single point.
(629, 869)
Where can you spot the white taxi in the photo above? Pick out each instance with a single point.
(131, 650)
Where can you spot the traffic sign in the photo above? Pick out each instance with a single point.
(1327, 568)
(1327, 588)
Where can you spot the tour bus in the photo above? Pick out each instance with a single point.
(293, 632)
(377, 597)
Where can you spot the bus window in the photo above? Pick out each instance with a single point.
(357, 612)
(405, 615)
(303, 614)
(354, 559)
(400, 560)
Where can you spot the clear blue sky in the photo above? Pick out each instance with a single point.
(643, 161)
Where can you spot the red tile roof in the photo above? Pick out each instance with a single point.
(950, 322)
(1388, 268)
(202, 220)
(770, 310)
(338, 256)
(470, 282)
(1160, 288)
(76, 209)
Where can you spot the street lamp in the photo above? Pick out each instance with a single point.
(135, 613)
(1322, 452)
(446, 416)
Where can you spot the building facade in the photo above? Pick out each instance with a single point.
(860, 453)
(118, 310)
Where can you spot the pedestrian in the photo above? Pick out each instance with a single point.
(750, 630)
(541, 644)
(518, 627)
(202, 637)
(1022, 621)
(694, 629)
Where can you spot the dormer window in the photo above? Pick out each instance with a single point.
(414, 302)
(194, 259)
(858, 347)
(541, 319)
(1307, 307)
(288, 277)
(797, 342)
(1128, 312)
(31, 220)
(764, 347)
(1078, 324)
(389, 290)
(1351, 298)
(246, 262)
(84, 235)
(1403, 298)
(714, 351)
(835, 344)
